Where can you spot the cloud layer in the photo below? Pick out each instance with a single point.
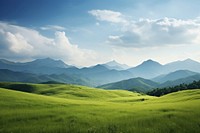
(150, 32)
(53, 27)
(17, 42)
(108, 15)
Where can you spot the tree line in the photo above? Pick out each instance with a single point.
(166, 90)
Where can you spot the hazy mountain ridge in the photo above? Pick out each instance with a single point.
(174, 76)
(38, 66)
(187, 64)
(145, 85)
(95, 75)
(147, 69)
(11, 76)
(150, 69)
(43, 70)
(185, 80)
(115, 65)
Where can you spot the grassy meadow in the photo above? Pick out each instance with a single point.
(60, 108)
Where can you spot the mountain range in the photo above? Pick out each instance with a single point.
(174, 76)
(150, 69)
(95, 75)
(146, 85)
(111, 75)
(8, 75)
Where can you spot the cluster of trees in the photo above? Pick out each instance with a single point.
(18, 86)
(166, 90)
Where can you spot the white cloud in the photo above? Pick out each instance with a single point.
(114, 39)
(108, 15)
(150, 32)
(53, 27)
(167, 31)
(17, 42)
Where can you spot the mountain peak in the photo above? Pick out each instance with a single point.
(45, 59)
(98, 65)
(188, 60)
(150, 62)
(115, 65)
(112, 63)
(49, 62)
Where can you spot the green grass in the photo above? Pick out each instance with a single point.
(77, 109)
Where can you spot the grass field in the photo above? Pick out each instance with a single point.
(49, 108)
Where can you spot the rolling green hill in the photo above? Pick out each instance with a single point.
(58, 108)
(67, 91)
(133, 84)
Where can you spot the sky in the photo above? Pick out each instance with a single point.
(89, 32)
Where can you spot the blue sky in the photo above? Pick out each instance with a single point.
(88, 32)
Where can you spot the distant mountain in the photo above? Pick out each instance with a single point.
(102, 75)
(8, 75)
(56, 70)
(39, 66)
(47, 62)
(11, 76)
(133, 84)
(115, 65)
(174, 76)
(185, 80)
(95, 75)
(94, 69)
(148, 69)
(187, 64)
(145, 85)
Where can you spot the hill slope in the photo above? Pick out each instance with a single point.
(66, 91)
(134, 84)
(164, 91)
(118, 111)
(174, 76)
(186, 80)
